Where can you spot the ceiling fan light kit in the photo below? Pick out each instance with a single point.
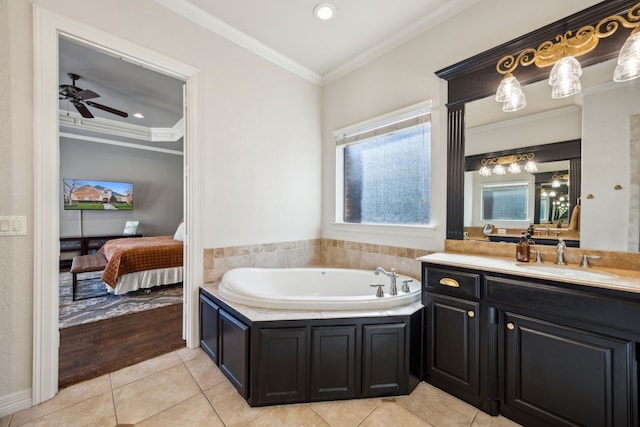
(79, 97)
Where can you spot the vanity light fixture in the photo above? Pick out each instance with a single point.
(562, 52)
(324, 11)
(512, 160)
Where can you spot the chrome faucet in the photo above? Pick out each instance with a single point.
(393, 289)
(561, 247)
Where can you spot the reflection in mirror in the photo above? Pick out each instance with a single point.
(601, 116)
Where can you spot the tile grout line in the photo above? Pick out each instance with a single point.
(202, 391)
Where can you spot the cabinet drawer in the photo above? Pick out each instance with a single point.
(451, 282)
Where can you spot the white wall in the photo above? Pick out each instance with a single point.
(405, 76)
(261, 149)
(157, 179)
(604, 221)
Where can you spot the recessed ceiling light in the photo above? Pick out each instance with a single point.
(324, 11)
(138, 115)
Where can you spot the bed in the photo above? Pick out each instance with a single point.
(142, 263)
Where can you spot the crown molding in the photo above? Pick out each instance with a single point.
(215, 25)
(120, 143)
(428, 22)
(74, 120)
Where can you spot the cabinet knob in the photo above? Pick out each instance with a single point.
(470, 313)
(511, 326)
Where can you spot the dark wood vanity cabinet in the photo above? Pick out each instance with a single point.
(545, 353)
(452, 333)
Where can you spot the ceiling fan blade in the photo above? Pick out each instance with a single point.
(86, 94)
(82, 109)
(108, 109)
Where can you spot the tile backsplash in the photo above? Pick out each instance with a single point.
(312, 253)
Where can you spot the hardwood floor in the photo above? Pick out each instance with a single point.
(94, 349)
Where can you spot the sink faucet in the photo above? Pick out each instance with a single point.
(393, 289)
(561, 247)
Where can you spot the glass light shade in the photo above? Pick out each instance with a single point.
(566, 87)
(499, 170)
(628, 70)
(566, 68)
(514, 168)
(630, 48)
(507, 87)
(516, 102)
(484, 171)
(531, 166)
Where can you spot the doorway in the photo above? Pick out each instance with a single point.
(48, 27)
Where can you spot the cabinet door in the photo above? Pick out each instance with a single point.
(453, 345)
(233, 352)
(209, 324)
(333, 362)
(384, 363)
(282, 365)
(558, 375)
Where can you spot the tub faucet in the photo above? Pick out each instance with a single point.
(393, 289)
(561, 247)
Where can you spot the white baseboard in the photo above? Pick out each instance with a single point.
(15, 402)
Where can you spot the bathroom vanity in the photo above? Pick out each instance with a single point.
(537, 343)
(287, 356)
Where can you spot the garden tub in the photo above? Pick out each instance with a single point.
(314, 289)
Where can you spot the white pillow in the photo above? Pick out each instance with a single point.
(179, 232)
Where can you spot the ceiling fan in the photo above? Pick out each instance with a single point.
(78, 97)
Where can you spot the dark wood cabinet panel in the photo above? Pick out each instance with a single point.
(304, 360)
(333, 362)
(384, 365)
(233, 353)
(209, 327)
(453, 345)
(282, 365)
(563, 376)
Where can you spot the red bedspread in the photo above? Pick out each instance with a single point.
(130, 255)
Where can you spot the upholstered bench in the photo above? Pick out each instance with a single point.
(86, 264)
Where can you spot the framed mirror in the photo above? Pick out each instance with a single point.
(603, 117)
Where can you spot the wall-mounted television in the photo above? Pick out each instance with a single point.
(96, 195)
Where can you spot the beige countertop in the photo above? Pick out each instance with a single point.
(606, 278)
(259, 314)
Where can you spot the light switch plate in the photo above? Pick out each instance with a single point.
(13, 225)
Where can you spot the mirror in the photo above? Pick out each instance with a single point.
(602, 117)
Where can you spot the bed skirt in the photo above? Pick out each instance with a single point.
(146, 279)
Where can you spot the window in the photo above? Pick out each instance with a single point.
(505, 202)
(384, 171)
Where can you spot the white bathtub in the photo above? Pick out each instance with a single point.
(313, 289)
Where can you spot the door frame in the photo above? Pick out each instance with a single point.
(48, 26)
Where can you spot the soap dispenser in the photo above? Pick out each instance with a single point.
(523, 248)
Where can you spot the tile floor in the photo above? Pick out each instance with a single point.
(185, 388)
